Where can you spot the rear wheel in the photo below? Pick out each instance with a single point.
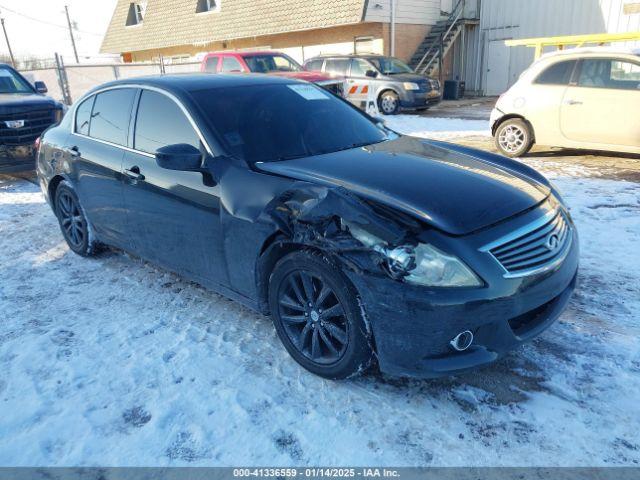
(317, 316)
(389, 103)
(73, 222)
(513, 137)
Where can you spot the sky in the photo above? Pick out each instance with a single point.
(39, 27)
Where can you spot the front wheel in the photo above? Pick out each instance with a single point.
(514, 138)
(317, 316)
(389, 103)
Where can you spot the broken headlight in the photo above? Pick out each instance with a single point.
(422, 264)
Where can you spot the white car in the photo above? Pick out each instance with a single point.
(587, 98)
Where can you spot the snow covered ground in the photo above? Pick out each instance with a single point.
(111, 361)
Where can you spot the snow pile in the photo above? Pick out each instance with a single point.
(437, 128)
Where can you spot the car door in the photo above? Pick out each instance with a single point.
(174, 216)
(100, 132)
(358, 84)
(544, 99)
(339, 67)
(602, 108)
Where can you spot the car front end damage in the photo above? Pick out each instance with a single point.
(438, 304)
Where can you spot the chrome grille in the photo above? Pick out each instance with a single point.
(35, 122)
(536, 247)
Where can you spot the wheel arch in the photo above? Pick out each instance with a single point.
(511, 116)
(54, 183)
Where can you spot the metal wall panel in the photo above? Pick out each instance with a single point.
(512, 19)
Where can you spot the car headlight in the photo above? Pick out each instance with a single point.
(423, 264)
(434, 268)
(411, 86)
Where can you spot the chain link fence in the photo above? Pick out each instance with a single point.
(68, 83)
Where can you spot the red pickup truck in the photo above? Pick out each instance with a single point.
(271, 63)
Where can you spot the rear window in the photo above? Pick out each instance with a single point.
(211, 64)
(337, 66)
(314, 65)
(557, 74)
(264, 123)
(111, 115)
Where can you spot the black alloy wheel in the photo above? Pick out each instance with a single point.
(313, 317)
(72, 220)
(317, 316)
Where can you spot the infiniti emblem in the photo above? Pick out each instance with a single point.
(553, 242)
(14, 123)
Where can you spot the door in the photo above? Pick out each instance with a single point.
(544, 98)
(338, 67)
(358, 84)
(498, 61)
(602, 109)
(174, 216)
(100, 131)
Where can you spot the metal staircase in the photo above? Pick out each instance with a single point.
(433, 49)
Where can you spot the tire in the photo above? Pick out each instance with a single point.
(329, 338)
(73, 221)
(389, 103)
(514, 137)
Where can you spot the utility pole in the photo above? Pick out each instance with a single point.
(73, 40)
(392, 28)
(6, 36)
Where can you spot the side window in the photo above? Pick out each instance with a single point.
(231, 64)
(83, 116)
(161, 122)
(359, 67)
(337, 66)
(608, 73)
(314, 65)
(557, 74)
(111, 115)
(211, 64)
(625, 75)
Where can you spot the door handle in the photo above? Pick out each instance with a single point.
(574, 102)
(134, 173)
(73, 151)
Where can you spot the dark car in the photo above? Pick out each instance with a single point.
(25, 112)
(361, 243)
(388, 80)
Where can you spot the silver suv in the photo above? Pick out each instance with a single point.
(395, 85)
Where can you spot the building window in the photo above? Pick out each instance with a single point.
(136, 13)
(363, 45)
(204, 6)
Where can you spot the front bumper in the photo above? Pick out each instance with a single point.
(415, 100)
(413, 326)
(495, 116)
(17, 158)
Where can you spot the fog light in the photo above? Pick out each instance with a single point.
(462, 341)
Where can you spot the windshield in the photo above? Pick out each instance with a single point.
(271, 63)
(390, 65)
(265, 123)
(12, 83)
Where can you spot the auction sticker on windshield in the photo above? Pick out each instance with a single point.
(309, 92)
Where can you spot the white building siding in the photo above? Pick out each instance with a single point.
(417, 12)
(513, 19)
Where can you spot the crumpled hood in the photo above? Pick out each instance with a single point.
(16, 102)
(452, 191)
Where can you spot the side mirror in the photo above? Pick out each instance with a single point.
(371, 73)
(41, 87)
(181, 156)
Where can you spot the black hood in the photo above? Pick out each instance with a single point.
(24, 102)
(455, 192)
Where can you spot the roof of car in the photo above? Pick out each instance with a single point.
(246, 53)
(352, 55)
(199, 81)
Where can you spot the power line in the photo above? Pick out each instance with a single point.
(46, 22)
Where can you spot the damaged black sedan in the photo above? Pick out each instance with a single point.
(360, 243)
